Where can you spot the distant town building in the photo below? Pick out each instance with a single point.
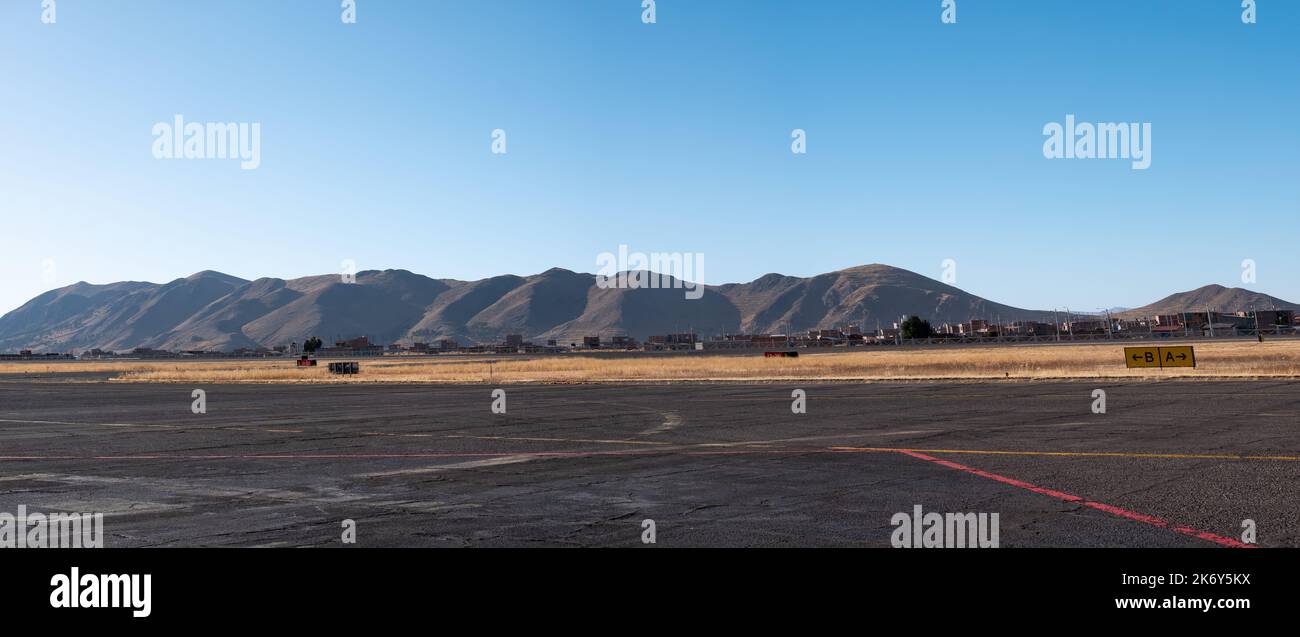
(359, 346)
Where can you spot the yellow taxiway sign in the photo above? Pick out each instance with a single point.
(1179, 356)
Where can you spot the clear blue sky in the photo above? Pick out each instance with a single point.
(924, 140)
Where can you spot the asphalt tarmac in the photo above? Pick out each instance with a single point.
(1169, 464)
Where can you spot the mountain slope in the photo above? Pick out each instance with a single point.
(864, 295)
(642, 312)
(543, 301)
(113, 316)
(381, 305)
(219, 326)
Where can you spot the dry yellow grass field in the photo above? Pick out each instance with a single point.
(1221, 359)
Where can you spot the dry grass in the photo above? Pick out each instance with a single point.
(1223, 359)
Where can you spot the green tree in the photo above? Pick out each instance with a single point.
(310, 345)
(915, 327)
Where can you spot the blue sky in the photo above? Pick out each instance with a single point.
(924, 140)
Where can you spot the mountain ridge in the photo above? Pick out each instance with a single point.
(213, 311)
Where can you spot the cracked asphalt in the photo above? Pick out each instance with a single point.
(712, 465)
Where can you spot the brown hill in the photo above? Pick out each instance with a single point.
(1213, 297)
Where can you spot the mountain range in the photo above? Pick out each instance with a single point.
(218, 312)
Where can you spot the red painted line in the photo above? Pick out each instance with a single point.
(1113, 510)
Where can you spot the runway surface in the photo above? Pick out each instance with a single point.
(1170, 464)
